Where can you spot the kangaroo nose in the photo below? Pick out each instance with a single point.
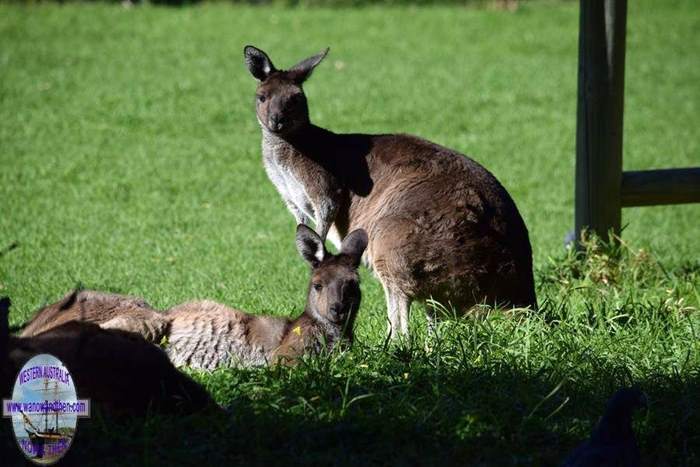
(276, 122)
(336, 308)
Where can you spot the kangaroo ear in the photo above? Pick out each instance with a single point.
(354, 245)
(310, 245)
(258, 63)
(302, 70)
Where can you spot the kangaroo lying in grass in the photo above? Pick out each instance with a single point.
(440, 225)
(207, 334)
(118, 371)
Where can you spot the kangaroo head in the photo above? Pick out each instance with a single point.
(334, 288)
(281, 105)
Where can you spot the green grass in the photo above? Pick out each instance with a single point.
(130, 162)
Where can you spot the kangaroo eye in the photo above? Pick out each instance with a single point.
(318, 287)
(261, 98)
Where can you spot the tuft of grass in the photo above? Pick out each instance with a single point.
(130, 162)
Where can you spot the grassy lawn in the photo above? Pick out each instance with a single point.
(130, 162)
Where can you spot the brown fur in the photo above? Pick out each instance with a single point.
(440, 225)
(95, 307)
(117, 370)
(206, 334)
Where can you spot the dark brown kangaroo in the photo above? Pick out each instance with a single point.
(117, 370)
(440, 225)
(207, 334)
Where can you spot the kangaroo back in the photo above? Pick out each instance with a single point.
(208, 335)
(89, 306)
(119, 371)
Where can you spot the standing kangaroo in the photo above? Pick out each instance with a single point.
(207, 334)
(440, 225)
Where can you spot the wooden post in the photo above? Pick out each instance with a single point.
(601, 78)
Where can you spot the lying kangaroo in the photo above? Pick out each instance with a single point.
(440, 225)
(117, 370)
(206, 334)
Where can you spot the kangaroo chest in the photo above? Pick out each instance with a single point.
(287, 178)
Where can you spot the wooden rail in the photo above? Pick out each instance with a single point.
(668, 186)
(602, 188)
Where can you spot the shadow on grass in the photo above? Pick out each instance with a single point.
(412, 413)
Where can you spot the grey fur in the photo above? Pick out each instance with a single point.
(440, 225)
(206, 335)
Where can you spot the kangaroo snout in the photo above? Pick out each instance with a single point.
(339, 311)
(276, 122)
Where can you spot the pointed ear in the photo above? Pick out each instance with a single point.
(258, 63)
(302, 70)
(310, 245)
(354, 244)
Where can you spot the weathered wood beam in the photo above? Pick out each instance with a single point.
(668, 186)
(601, 78)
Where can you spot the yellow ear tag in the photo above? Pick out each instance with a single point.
(297, 330)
